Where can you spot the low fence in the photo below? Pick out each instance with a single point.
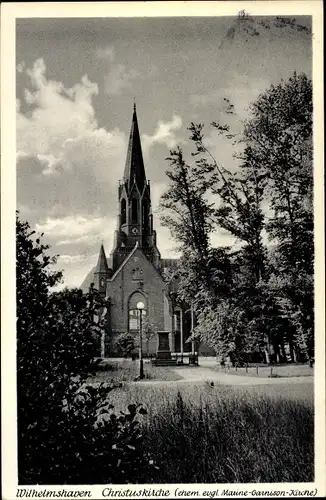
(270, 371)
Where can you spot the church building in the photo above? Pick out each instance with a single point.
(134, 271)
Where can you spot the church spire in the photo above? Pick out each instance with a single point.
(102, 264)
(101, 272)
(134, 168)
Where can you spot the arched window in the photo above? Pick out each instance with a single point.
(133, 313)
(123, 211)
(134, 210)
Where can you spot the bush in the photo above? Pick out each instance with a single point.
(85, 442)
(125, 344)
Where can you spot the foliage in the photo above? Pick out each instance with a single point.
(125, 343)
(280, 134)
(188, 214)
(60, 439)
(148, 332)
(240, 195)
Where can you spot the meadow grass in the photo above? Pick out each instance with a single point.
(203, 434)
(126, 370)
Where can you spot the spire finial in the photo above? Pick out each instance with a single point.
(134, 166)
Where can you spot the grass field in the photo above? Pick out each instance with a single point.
(126, 370)
(203, 434)
(155, 398)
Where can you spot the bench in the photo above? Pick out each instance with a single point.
(192, 358)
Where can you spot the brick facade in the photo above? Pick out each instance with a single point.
(124, 285)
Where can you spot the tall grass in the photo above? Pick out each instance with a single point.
(126, 370)
(208, 435)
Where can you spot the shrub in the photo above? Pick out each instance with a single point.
(85, 442)
(125, 344)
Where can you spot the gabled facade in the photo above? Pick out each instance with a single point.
(134, 270)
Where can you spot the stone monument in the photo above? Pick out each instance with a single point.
(163, 349)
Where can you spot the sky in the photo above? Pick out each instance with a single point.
(76, 82)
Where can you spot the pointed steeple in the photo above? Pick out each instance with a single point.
(102, 264)
(101, 272)
(134, 168)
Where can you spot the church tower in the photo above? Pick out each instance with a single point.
(135, 219)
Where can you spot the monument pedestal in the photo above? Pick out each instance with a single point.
(163, 349)
(163, 353)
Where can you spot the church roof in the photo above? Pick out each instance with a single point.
(102, 265)
(134, 167)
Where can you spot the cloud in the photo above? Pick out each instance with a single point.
(164, 134)
(118, 76)
(107, 52)
(66, 164)
(57, 113)
(20, 67)
(157, 190)
(75, 259)
(75, 268)
(80, 239)
(78, 229)
(205, 99)
(241, 90)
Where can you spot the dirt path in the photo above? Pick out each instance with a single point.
(202, 375)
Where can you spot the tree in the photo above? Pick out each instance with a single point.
(280, 136)
(240, 196)
(275, 170)
(148, 332)
(205, 274)
(67, 431)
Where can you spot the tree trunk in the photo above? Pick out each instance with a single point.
(292, 351)
(283, 350)
(267, 355)
(267, 349)
(276, 353)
